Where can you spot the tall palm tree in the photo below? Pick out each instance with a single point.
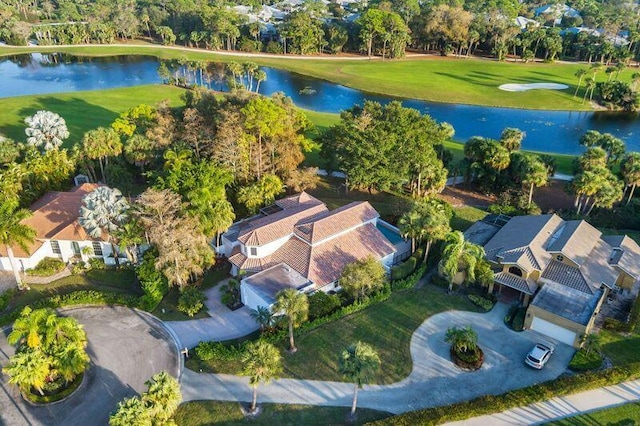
(100, 144)
(13, 231)
(263, 316)
(635, 78)
(259, 76)
(535, 174)
(457, 254)
(630, 169)
(295, 306)
(358, 363)
(163, 396)
(103, 211)
(579, 75)
(590, 84)
(262, 363)
(46, 129)
(410, 224)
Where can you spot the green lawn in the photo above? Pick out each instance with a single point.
(623, 415)
(620, 348)
(450, 80)
(387, 326)
(464, 217)
(82, 111)
(121, 281)
(200, 413)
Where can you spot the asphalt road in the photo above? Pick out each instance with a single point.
(126, 348)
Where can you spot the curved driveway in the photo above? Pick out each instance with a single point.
(126, 348)
(433, 381)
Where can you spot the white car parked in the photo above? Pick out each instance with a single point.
(539, 355)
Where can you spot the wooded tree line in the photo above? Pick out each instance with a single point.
(381, 27)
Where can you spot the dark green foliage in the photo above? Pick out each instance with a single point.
(191, 301)
(485, 304)
(410, 281)
(515, 317)
(5, 297)
(231, 294)
(513, 203)
(153, 282)
(322, 304)
(620, 216)
(488, 404)
(215, 350)
(404, 269)
(47, 267)
(97, 263)
(617, 95)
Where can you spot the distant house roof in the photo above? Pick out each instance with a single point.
(567, 302)
(626, 254)
(55, 217)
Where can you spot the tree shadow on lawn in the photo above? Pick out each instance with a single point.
(484, 79)
(78, 113)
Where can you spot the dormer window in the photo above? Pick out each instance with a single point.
(560, 258)
(253, 251)
(515, 271)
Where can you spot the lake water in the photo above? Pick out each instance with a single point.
(549, 131)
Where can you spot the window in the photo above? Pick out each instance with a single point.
(515, 271)
(254, 251)
(55, 247)
(76, 248)
(559, 258)
(97, 248)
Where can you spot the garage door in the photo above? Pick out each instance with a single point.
(555, 331)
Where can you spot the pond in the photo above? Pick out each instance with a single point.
(549, 131)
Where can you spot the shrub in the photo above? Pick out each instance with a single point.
(273, 47)
(207, 351)
(613, 324)
(97, 263)
(5, 298)
(410, 281)
(231, 294)
(47, 267)
(153, 282)
(78, 268)
(485, 304)
(191, 301)
(518, 319)
(404, 269)
(322, 304)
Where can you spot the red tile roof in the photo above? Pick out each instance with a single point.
(327, 224)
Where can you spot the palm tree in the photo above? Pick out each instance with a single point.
(579, 75)
(536, 174)
(262, 363)
(131, 411)
(46, 129)
(295, 306)
(29, 369)
(410, 224)
(630, 169)
(259, 76)
(128, 237)
(462, 339)
(13, 231)
(358, 363)
(263, 316)
(163, 397)
(457, 254)
(100, 144)
(103, 212)
(590, 84)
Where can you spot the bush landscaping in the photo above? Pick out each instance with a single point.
(481, 302)
(46, 267)
(191, 301)
(584, 360)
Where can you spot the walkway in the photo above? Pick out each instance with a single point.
(224, 323)
(561, 407)
(433, 381)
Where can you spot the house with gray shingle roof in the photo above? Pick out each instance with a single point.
(299, 243)
(562, 270)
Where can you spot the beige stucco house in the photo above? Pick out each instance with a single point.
(562, 270)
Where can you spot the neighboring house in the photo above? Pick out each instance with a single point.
(557, 12)
(298, 243)
(563, 270)
(524, 23)
(58, 233)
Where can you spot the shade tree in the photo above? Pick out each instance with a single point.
(362, 278)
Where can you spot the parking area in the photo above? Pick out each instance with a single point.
(126, 348)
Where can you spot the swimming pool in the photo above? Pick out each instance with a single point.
(389, 233)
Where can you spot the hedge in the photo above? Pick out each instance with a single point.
(490, 404)
(80, 297)
(482, 302)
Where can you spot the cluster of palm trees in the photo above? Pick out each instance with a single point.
(590, 82)
(358, 363)
(49, 348)
(246, 75)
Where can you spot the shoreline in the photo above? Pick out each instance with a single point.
(296, 64)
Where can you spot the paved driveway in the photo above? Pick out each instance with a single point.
(433, 381)
(126, 348)
(224, 323)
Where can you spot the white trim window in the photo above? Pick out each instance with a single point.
(97, 248)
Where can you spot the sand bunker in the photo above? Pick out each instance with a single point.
(513, 87)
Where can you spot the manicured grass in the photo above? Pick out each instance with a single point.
(450, 80)
(121, 281)
(82, 111)
(620, 348)
(583, 361)
(623, 415)
(464, 217)
(199, 413)
(387, 326)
